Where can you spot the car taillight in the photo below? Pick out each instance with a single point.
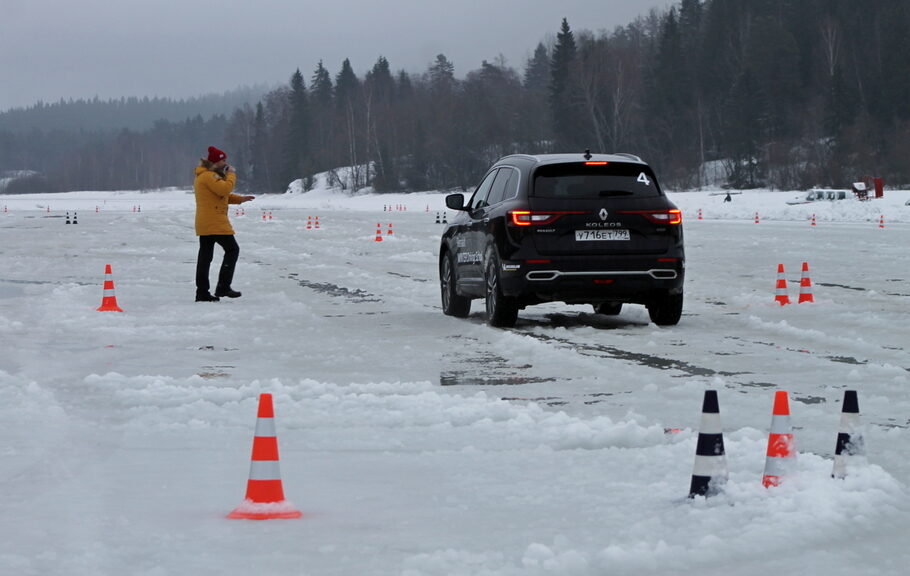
(529, 218)
(672, 217)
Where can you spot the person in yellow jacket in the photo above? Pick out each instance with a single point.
(214, 186)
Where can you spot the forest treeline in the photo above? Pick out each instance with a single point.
(769, 93)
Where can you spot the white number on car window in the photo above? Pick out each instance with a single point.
(643, 178)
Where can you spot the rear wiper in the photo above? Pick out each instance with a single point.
(605, 193)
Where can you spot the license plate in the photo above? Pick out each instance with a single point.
(586, 235)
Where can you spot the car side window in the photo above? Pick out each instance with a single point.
(479, 199)
(512, 185)
(500, 185)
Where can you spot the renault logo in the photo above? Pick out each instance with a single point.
(603, 213)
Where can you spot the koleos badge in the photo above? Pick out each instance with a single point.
(603, 213)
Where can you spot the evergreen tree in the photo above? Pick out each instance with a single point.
(442, 74)
(562, 110)
(322, 114)
(259, 166)
(296, 146)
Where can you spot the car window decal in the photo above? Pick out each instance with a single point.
(643, 178)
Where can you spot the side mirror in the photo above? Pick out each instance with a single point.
(455, 201)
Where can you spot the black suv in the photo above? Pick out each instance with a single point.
(574, 228)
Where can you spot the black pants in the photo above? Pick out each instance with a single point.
(206, 252)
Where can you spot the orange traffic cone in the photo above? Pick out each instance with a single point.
(700, 217)
(316, 225)
(264, 493)
(781, 296)
(756, 218)
(389, 232)
(805, 286)
(881, 221)
(378, 233)
(109, 300)
(812, 220)
(781, 456)
(309, 222)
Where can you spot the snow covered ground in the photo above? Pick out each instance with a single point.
(419, 444)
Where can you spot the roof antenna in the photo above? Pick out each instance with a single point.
(587, 153)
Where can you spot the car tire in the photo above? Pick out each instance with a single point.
(453, 304)
(502, 311)
(608, 308)
(666, 310)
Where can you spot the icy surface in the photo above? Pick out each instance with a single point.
(419, 444)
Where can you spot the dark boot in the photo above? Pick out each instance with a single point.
(205, 297)
(227, 292)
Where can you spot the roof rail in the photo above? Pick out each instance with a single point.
(627, 155)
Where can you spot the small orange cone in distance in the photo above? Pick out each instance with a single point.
(781, 455)
(805, 286)
(109, 300)
(264, 492)
(378, 233)
(781, 296)
(389, 232)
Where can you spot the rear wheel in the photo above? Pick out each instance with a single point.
(666, 310)
(502, 311)
(608, 308)
(452, 303)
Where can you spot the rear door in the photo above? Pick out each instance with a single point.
(599, 208)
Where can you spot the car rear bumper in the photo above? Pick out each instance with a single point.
(633, 280)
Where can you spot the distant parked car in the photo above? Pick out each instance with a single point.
(580, 229)
(823, 194)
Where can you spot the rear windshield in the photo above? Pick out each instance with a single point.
(581, 180)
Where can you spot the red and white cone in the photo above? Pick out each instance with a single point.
(378, 233)
(881, 221)
(109, 299)
(309, 222)
(264, 492)
(390, 232)
(316, 224)
(812, 220)
(756, 218)
(700, 216)
(780, 295)
(805, 286)
(781, 456)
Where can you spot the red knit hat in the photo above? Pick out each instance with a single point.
(216, 155)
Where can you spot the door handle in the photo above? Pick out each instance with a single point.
(486, 220)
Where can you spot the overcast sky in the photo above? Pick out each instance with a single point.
(52, 49)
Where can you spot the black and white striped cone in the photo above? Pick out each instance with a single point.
(849, 438)
(710, 470)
